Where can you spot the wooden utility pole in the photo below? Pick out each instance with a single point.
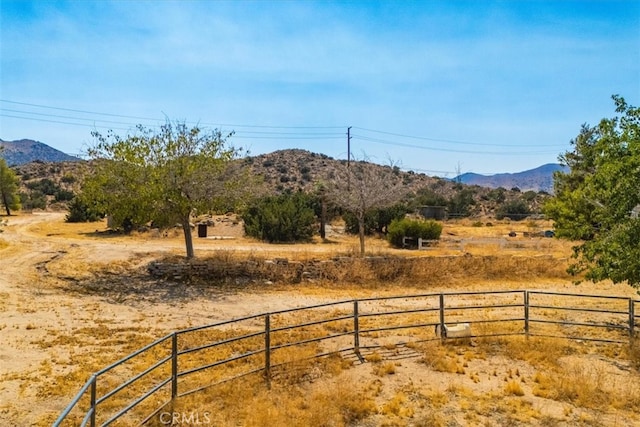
(348, 146)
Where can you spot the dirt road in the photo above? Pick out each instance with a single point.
(40, 315)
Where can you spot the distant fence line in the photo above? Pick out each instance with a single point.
(346, 325)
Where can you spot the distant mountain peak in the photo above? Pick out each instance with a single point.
(27, 150)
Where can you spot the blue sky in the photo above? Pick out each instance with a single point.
(435, 86)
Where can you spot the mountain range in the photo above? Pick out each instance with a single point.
(538, 179)
(26, 150)
(291, 168)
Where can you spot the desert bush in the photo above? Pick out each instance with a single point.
(81, 211)
(376, 221)
(45, 186)
(33, 200)
(427, 230)
(283, 218)
(515, 210)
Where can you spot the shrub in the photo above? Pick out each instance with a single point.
(81, 211)
(64, 195)
(45, 186)
(33, 200)
(68, 179)
(515, 210)
(427, 230)
(279, 219)
(377, 220)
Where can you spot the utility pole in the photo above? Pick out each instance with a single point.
(348, 146)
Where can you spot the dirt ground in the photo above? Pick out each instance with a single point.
(45, 357)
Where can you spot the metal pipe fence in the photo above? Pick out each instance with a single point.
(142, 384)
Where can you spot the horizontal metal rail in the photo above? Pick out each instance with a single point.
(566, 294)
(215, 325)
(221, 342)
(476, 307)
(311, 340)
(134, 379)
(313, 323)
(588, 310)
(310, 307)
(391, 328)
(136, 402)
(392, 313)
(226, 380)
(134, 354)
(587, 324)
(221, 362)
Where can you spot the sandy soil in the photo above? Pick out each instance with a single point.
(41, 314)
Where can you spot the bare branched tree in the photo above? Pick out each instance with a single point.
(363, 186)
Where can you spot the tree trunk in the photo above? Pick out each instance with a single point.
(188, 239)
(323, 219)
(5, 202)
(361, 233)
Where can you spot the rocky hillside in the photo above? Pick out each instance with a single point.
(294, 170)
(26, 151)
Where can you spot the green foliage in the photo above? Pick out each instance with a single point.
(45, 186)
(515, 210)
(594, 201)
(63, 195)
(9, 198)
(427, 197)
(33, 200)
(376, 220)
(460, 204)
(427, 230)
(497, 195)
(164, 176)
(68, 179)
(279, 219)
(81, 210)
(529, 196)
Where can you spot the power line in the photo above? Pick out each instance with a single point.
(451, 150)
(450, 141)
(162, 120)
(248, 131)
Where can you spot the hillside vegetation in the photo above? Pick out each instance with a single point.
(291, 171)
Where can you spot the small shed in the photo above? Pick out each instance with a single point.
(433, 212)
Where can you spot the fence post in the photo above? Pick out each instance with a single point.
(267, 349)
(174, 365)
(442, 331)
(632, 319)
(356, 331)
(93, 401)
(526, 313)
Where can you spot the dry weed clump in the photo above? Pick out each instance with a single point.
(247, 402)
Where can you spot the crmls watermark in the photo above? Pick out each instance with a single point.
(193, 418)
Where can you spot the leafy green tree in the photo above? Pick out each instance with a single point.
(164, 176)
(81, 210)
(597, 201)
(33, 200)
(376, 220)
(9, 198)
(459, 205)
(279, 219)
(514, 209)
